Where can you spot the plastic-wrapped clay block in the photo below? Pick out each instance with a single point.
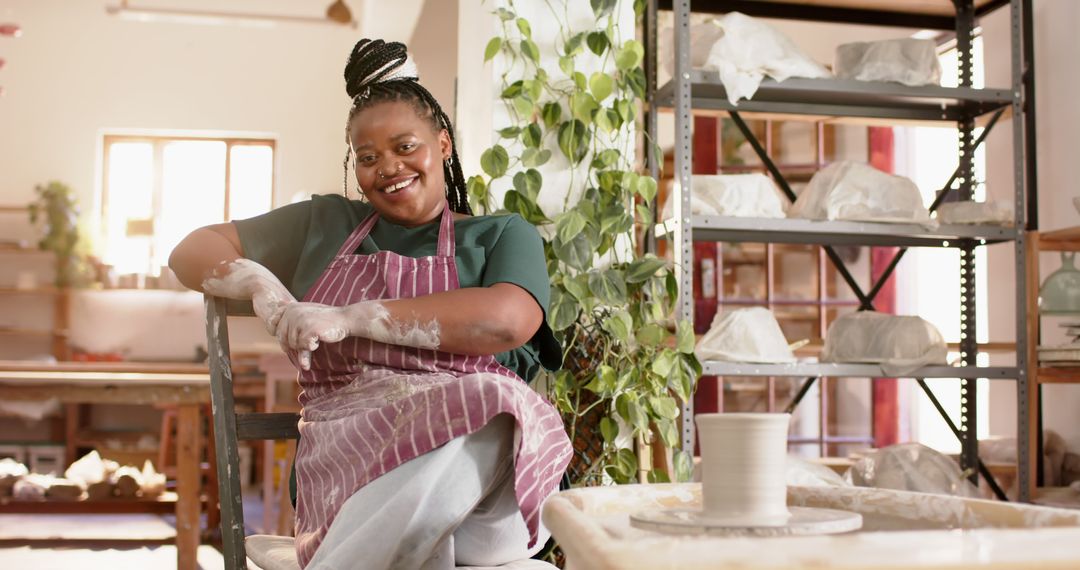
(739, 195)
(702, 38)
(911, 467)
(90, 469)
(855, 191)
(153, 483)
(908, 60)
(745, 335)
(991, 212)
(749, 50)
(29, 488)
(900, 344)
(10, 467)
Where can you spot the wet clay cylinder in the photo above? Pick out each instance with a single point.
(743, 468)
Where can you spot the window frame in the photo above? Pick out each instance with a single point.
(158, 143)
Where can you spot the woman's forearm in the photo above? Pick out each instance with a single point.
(472, 321)
(476, 320)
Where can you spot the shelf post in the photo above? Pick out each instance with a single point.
(653, 158)
(684, 245)
(969, 446)
(1027, 280)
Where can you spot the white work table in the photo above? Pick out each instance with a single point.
(901, 530)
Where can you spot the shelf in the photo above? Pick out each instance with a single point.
(30, 291)
(1067, 239)
(817, 369)
(25, 332)
(162, 504)
(1058, 375)
(787, 230)
(844, 98)
(789, 302)
(931, 14)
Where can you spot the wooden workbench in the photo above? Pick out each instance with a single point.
(187, 387)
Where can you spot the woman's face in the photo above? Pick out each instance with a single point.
(399, 162)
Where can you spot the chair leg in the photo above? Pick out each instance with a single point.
(213, 504)
(285, 526)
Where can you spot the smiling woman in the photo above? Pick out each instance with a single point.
(416, 323)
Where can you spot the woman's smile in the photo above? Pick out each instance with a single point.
(399, 162)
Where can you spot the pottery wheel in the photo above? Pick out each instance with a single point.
(803, 521)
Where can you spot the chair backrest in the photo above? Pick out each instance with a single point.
(230, 428)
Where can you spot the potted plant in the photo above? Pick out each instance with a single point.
(56, 209)
(626, 369)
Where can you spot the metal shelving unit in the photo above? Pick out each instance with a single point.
(843, 98)
(729, 229)
(883, 102)
(838, 370)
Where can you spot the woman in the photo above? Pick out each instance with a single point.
(418, 449)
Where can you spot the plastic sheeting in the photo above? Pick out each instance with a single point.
(855, 191)
(745, 335)
(740, 195)
(911, 467)
(749, 50)
(803, 473)
(702, 38)
(908, 60)
(900, 344)
(992, 212)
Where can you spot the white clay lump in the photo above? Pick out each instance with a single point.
(745, 335)
(854, 191)
(737, 195)
(749, 50)
(908, 61)
(900, 344)
(991, 212)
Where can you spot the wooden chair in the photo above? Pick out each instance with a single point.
(268, 552)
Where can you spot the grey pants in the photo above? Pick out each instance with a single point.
(451, 507)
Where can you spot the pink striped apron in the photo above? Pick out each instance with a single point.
(369, 407)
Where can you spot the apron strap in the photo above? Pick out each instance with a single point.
(358, 235)
(447, 245)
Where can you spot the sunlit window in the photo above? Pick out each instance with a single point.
(933, 158)
(158, 189)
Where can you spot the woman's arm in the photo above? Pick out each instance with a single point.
(202, 251)
(471, 321)
(210, 259)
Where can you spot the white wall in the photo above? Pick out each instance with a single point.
(77, 72)
(1057, 50)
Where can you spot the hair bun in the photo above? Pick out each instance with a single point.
(375, 61)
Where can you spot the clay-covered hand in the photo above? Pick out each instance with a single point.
(303, 326)
(244, 279)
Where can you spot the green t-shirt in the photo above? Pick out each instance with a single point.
(297, 242)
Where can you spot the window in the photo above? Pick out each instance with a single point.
(158, 189)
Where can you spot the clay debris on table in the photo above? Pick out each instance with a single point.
(90, 477)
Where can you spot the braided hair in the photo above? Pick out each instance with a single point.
(380, 72)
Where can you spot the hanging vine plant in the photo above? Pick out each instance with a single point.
(627, 369)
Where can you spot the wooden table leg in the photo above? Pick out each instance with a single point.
(188, 484)
(71, 432)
